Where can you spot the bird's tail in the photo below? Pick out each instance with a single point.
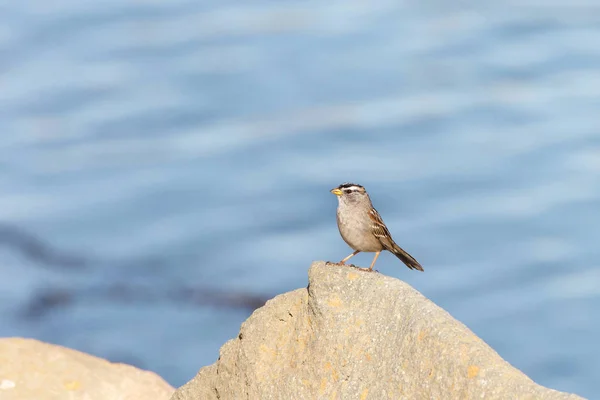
(406, 258)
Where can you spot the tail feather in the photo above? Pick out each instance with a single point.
(406, 258)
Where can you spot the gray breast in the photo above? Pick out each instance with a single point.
(354, 225)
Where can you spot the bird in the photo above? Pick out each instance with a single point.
(362, 228)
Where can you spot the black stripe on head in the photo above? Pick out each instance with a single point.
(351, 188)
(348, 184)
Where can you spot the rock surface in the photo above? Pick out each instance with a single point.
(30, 369)
(358, 335)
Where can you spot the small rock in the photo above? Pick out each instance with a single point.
(34, 370)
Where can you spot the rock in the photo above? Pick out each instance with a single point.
(30, 369)
(358, 335)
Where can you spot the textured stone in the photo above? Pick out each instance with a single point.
(30, 369)
(358, 335)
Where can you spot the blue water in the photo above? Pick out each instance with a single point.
(148, 148)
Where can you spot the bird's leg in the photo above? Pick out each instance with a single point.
(349, 257)
(374, 259)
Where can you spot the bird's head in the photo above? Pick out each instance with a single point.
(349, 193)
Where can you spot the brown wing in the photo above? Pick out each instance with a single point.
(380, 230)
(383, 234)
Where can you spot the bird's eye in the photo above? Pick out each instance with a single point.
(348, 191)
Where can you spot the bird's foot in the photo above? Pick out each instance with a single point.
(333, 263)
(351, 266)
(364, 269)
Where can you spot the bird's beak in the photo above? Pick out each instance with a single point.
(336, 191)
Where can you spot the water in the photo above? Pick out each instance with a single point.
(165, 166)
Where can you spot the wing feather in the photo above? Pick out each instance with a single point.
(379, 228)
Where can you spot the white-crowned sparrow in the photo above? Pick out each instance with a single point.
(363, 229)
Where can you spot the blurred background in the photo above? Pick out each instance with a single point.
(166, 166)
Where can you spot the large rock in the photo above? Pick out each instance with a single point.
(38, 371)
(358, 335)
